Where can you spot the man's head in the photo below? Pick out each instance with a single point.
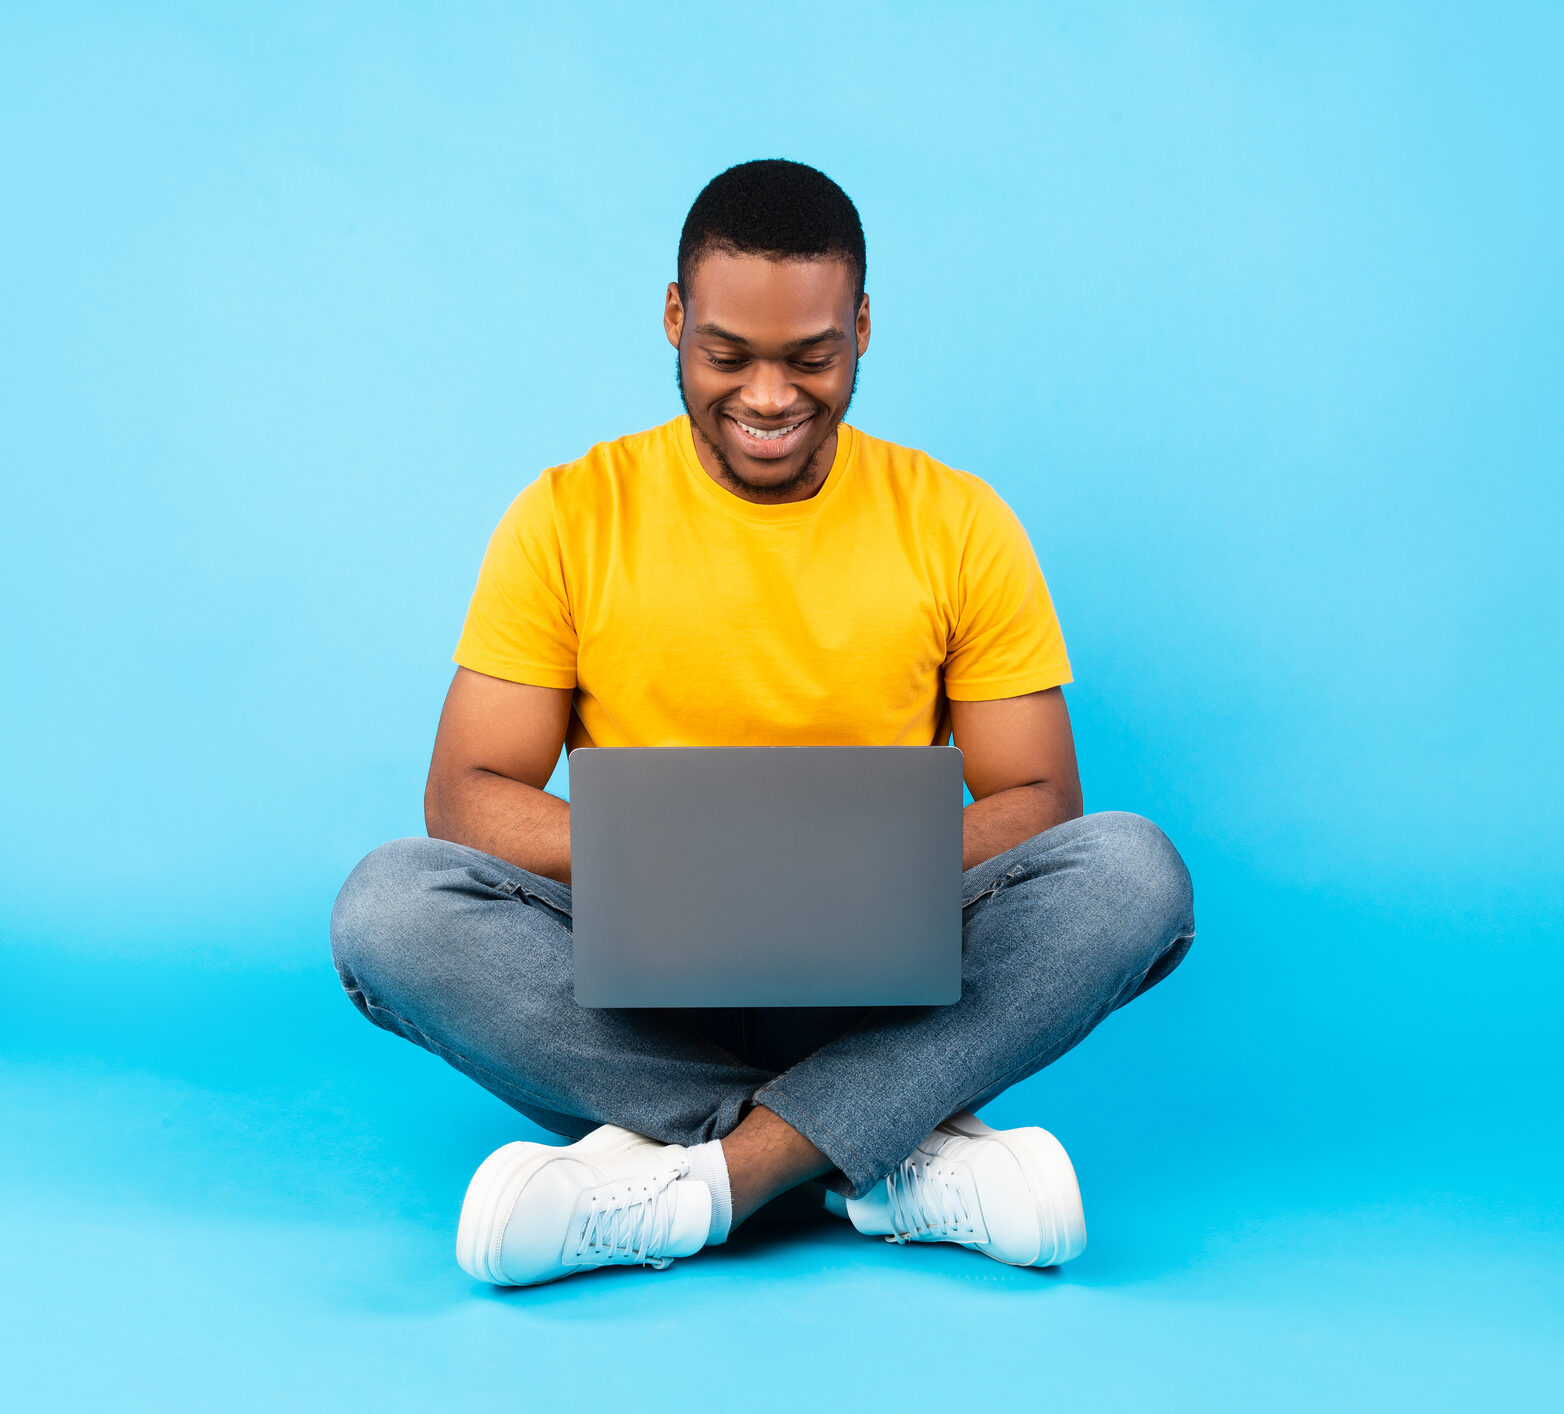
(770, 319)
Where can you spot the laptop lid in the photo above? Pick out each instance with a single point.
(766, 876)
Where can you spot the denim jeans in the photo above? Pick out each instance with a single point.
(470, 957)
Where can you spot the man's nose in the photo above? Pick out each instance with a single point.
(769, 392)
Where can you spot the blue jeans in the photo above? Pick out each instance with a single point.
(470, 957)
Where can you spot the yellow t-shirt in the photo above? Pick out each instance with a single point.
(683, 615)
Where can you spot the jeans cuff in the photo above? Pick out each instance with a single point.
(859, 1172)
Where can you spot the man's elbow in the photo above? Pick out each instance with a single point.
(442, 804)
(1064, 800)
(433, 820)
(1074, 803)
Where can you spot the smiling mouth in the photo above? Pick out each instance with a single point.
(770, 443)
(770, 434)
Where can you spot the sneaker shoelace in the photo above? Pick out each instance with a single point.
(926, 1204)
(630, 1221)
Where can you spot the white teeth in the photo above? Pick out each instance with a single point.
(761, 434)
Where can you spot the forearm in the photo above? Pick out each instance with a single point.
(1002, 820)
(508, 819)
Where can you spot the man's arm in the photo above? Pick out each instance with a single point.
(1019, 758)
(496, 747)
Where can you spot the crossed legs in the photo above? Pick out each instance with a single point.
(469, 957)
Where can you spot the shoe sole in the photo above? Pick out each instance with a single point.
(1057, 1200)
(494, 1189)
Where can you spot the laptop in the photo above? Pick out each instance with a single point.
(766, 876)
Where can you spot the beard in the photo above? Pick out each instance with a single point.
(796, 482)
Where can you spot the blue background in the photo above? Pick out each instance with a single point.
(1254, 314)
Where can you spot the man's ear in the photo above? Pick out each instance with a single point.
(861, 326)
(673, 314)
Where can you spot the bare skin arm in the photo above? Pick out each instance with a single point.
(1020, 766)
(493, 754)
(498, 742)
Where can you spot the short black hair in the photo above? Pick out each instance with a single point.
(776, 208)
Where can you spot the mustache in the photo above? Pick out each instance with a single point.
(784, 420)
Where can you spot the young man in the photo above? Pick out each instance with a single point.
(757, 573)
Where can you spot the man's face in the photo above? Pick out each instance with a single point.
(768, 357)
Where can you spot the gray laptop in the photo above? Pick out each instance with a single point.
(766, 876)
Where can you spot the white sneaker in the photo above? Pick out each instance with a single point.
(1010, 1193)
(537, 1212)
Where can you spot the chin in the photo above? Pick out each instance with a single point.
(769, 477)
(750, 483)
(763, 471)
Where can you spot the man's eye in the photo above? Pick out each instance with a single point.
(818, 365)
(726, 362)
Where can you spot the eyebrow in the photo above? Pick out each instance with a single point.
(716, 331)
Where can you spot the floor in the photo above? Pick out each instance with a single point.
(221, 1190)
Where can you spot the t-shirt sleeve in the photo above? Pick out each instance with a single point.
(519, 624)
(1007, 640)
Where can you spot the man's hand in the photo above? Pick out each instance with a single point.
(495, 750)
(1020, 766)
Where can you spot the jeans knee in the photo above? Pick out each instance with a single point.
(1144, 870)
(378, 910)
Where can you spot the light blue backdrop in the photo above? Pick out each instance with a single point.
(1253, 313)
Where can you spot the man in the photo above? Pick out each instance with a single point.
(758, 572)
